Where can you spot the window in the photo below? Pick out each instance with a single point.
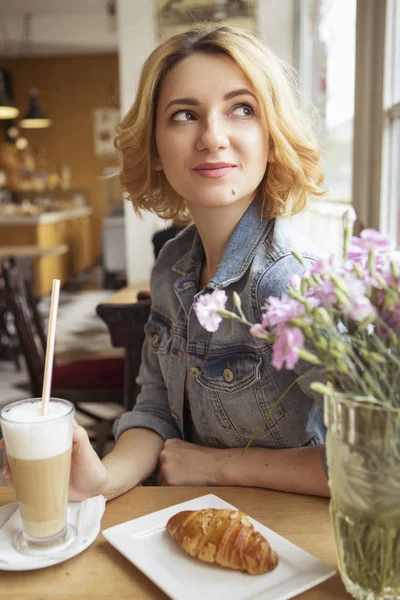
(326, 49)
(390, 194)
(326, 55)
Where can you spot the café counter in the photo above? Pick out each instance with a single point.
(71, 227)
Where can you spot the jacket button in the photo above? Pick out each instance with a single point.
(194, 372)
(175, 416)
(155, 339)
(178, 352)
(212, 442)
(228, 375)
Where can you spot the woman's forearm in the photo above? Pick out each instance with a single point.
(134, 458)
(297, 470)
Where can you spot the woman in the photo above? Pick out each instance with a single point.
(214, 133)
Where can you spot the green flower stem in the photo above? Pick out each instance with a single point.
(226, 314)
(371, 263)
(238, 304)
(346, 240)
(298, 257)
(274, 406)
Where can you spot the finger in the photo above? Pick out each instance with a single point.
(161, 480)
(79, 434)
(5, 457)
(6, 462)
(7, 470)
(173, 442)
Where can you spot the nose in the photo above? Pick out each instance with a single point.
(213, 136)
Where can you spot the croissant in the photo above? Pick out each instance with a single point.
(225, 537)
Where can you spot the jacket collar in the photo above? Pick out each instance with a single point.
(238, 253)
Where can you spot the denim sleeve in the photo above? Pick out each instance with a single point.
(151, 409)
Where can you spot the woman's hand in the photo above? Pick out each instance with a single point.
(88, 474)
(183, 463)
(6, 465)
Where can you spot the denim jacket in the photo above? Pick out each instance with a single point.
(227, 375)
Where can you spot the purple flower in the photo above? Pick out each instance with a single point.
(312, 301)
(370, 239)
(318, 268)
(355, 253)
(281, 310)
(349, 218)
(286, 348)
(325, 267)
(359, 307)
(392, 318)
(295, 282)
(257, 330)
(326, 293)
(206, 309)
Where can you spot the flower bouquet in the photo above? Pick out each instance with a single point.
(343, 317)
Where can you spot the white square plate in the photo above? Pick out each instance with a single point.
(146, 544)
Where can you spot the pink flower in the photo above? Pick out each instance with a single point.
(360, 306)
(326, 293)
(257, 330)
(206, 309)
(355, 253)
(349, 218)
(392, 318)
(318, 268)
(295, 282)
(281, 310)
(324, 267)
(285, 349)
(370, 239)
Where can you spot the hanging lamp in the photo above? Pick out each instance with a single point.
(35, 118)
(7, 108)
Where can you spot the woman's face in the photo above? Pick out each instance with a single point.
(211, 142)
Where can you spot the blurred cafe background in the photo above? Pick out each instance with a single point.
(68, 72)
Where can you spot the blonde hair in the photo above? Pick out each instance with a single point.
(287, 182)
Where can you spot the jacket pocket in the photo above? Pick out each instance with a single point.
(239, 396)
(230, 372)
(159, 338)
(158, 333)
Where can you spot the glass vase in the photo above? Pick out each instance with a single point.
(363, 452)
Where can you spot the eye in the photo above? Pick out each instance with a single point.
(183, 115)
(243, 110)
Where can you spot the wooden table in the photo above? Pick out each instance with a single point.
(32, 251)
(101, 572)
(125, 318)
(128, 294)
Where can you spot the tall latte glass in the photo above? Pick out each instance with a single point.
(39, 453)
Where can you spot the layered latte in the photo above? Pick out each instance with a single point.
(39, 452)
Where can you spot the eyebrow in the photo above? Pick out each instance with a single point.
(194, 102)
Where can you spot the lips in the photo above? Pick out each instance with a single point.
(214, 170)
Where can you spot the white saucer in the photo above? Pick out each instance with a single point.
(12, 560)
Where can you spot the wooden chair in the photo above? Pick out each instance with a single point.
(9, 340)
(83, 382)
(126, 323)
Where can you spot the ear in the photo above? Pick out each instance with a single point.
(156, 163)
